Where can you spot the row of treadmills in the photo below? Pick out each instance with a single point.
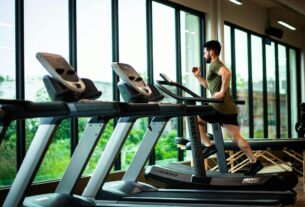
(187, 186)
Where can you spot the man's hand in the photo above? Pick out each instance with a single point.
(218, 95)
(196, 71)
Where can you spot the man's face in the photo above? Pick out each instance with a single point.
(207, 56)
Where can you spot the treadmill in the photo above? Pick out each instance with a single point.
(76, 98)
(282, 181)
(130, 190)
(60, 86)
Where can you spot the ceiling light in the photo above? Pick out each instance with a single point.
(238, 2)
(286, 25)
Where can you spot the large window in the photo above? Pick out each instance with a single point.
(128, 31)
(7, 88)
(293, 91)
(241, 63)
(94, 58)
(46, 31)
(132, 39)
(164, 56)
(282, 64)
(257, 85)
(271, 89)
(190, 55)
(271, 86)
(94, 48)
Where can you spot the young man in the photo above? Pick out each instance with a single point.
(218, 82)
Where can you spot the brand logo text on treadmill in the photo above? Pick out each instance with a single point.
(168, 173)
(250, 181)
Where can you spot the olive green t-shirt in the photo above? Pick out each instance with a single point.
(214, 83)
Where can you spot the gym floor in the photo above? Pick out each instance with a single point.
(301, 194)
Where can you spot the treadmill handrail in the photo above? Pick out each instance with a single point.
(23, 109)
(195, 98)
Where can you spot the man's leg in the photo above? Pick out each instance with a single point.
(239, 140)
(203, 133)
(209, 148)
(255, 165)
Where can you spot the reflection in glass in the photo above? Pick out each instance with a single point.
(46, 31)
(257, 83)
(241, 54)
(164, 54)
(282, 64)
(7, 88)
(271, 89)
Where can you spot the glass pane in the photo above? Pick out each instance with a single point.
(7, 88)
(94, 42)
(257, 84)
(164, 41)
(241, 54)
(48, 33)
(94, 58)
(190, 55)
(271, 89)
(282, 62)
(164, 54)
(190, 49)
(227, 47)
(132, 38)
(293, 91)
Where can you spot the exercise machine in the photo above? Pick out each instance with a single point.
(79, 103)
(283, 181)
(199, 184)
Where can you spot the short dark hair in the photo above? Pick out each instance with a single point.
(213, 45)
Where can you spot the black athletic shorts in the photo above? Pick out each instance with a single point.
(230, 119)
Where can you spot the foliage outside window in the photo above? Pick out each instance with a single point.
(7, 88)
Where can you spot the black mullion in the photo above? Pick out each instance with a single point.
(288, 91)
(115, 46)
(277, 92)
(250, 86)
(20, 93)
(149, 39)
(115, 58)
(233, 60)
(202, 36)
(73, 62)
(179, 75)
(150, 59)
(265, 92)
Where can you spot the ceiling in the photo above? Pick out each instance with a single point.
(291, 11)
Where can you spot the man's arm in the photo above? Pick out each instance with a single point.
(197, 74)
(225, 78)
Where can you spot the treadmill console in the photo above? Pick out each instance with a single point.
(129, 75)
(61, 71)
(132, 88)
(64, 84)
